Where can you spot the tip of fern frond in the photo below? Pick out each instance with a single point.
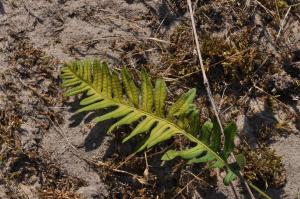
(109, 131)
(168, 155)
(66, 95)
(191, 161)
(193, 91)
(164, 158)
(141, 148)
(125, 139)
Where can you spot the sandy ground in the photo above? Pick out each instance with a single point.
(66, 30)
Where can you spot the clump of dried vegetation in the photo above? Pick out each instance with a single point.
(25, 165)
(264, 167)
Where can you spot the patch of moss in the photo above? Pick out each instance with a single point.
(180, 56)
(280, 5)
(230, 60)
(55, 193)
(10, 120)
(264, 167)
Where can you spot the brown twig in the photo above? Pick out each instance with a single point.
(209, 93)
(182, 189)
(283, 22)
(264, 7)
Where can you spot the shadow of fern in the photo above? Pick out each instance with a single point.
(97, 133)
(96, 136)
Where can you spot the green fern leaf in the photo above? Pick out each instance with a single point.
(215, 143)
(206, 131)
(104, 90)
(194, 119)
(241, 161)
(130, 88)
(183, 104)
(147, 92)
(117, 88)
(230, 176)
(230, 133)
(160, 97)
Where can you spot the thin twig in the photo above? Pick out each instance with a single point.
(222, 98)
(146, 171)
(159, 40)
(182, 189)
(126, 160)
(209, 93)
(161, 23)
(283, 22)
(265, 8)
(199, 179)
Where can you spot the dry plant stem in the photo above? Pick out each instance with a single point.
(247, 4)
(196, 177)
(209, 93)
(266, 9)
(182, 189)
(283, 22)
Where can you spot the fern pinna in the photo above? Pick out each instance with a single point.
(104, 89)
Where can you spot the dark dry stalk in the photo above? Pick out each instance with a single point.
(208, 90)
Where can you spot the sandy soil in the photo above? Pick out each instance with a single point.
(37, 36)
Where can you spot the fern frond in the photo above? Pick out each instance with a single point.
(104, 90)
